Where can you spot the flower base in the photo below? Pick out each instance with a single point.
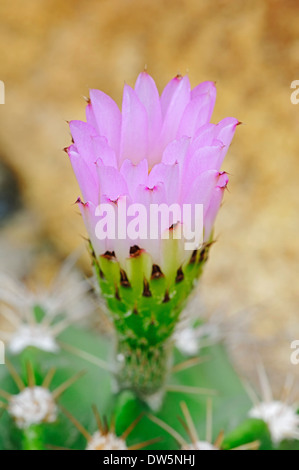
(145, 307)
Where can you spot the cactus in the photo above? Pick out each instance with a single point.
(80, 378)
(70, 387)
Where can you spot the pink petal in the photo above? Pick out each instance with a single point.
(203, 137)
(107, 116)
(116, 240)
(90, 220)
(199, 189)
(168, 175)
(169, 91)
(147, 197)
(176, 151)
(155, 195)
(103, 151)
(148, 94)
(174, 100)
(205, 158)
(214, 206)
(90, 117)
(225, 130)
(203, 88)
(86, 178)
(82, 134)
(123, 243)
(197, 113)
(134, 128)
(112, 184)
(134, 175)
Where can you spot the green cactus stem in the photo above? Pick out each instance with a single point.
(145, 307)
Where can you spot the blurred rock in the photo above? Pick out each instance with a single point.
(9, 193)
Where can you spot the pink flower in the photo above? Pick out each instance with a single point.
(156, 150)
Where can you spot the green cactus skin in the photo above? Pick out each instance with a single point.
(32, 438)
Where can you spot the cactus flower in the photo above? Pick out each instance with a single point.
(158, 150)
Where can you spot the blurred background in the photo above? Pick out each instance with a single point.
(53, 51)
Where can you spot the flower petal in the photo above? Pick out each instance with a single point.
(200, 188)
(154, 195)
(148, 94)
(90, 117)
(205, 158)
(107, 116)
(176, 151)
(168, 93)
(214, 206)
(197, 113)
(103, 151)
(174, 100)
(134, 175)
(203, 88)
(114, 226)
(82, 133)
(203, 136)
(168, 175)
(88, 210)
(134, 128)
(112, 184)
(122, 245)
(86, 178)
(225, 130)
(148, 197)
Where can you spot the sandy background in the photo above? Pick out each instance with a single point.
(53, 51)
